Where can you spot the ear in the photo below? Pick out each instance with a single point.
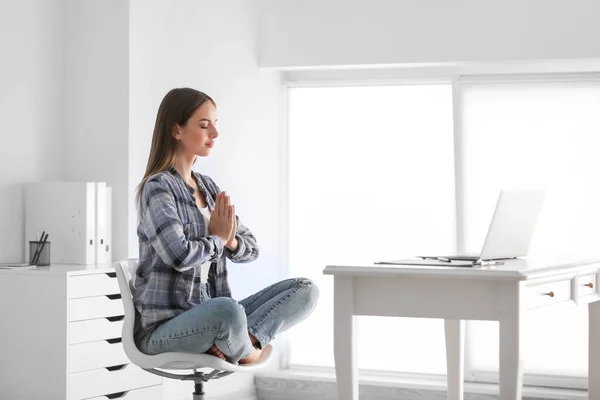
(176, 132)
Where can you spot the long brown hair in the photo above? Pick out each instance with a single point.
(176, 108)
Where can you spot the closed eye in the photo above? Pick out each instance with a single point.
(205, 122)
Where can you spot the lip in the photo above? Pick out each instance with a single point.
(210, 144)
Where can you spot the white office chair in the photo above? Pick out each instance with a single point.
(173, 361)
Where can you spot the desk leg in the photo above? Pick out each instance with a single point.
(511, 361)
(344, 330)
(455, 357)
(594, 351)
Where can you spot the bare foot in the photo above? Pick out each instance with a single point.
(214, 351)
(254, 340)
(255, 355)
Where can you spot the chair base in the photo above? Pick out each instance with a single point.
(198, 377)
(198, 391)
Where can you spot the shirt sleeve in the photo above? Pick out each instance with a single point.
(247, 246)
(164, 230)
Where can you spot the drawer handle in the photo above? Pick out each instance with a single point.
(115, 319)
(551, 294)
(116, 367)
(113, 341)
(590, 285)
(111, 274)
(113, 296)
(116, 395)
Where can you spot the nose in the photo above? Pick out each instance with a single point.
(214, 133)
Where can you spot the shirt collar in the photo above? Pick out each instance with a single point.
(176, 173)
(209, 200)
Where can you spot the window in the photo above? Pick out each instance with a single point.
(540, 134)
(371, 176)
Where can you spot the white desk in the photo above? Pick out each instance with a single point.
(504, 293)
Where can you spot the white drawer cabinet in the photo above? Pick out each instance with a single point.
(61, 337)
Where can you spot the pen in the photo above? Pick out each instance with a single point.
(488, 263)
(444, 259)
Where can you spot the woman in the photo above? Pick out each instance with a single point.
(187, 230)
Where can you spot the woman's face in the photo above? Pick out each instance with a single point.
(198, 135)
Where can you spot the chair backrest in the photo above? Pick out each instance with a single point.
(126, 277)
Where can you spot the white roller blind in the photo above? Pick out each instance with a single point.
(535, 134)
(371, 176)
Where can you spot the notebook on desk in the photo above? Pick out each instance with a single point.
(16, 266)
(509, 233)
(427, 262)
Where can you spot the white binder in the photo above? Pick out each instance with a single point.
(108, 236)
(76, 215)
(103, 223)
(66, 211)
(100, 236)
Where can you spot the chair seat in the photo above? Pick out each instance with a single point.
(188, 361)
(125, 270)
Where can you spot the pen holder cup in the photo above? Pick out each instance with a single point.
(43, 257)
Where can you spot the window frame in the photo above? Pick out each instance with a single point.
(456, 75)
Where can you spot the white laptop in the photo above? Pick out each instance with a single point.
(509, 234)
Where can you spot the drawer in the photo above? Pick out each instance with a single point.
(548, 293)
(587, 285)
(92, 330)
(94, 355)
(95, 307)
(102, 382)
(149, 393)
(93, 285)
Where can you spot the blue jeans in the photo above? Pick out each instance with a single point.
(226, 323)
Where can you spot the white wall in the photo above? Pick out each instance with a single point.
(30, 93)
(211, 46)
(340, 32)
(81, 83)
(96, 101)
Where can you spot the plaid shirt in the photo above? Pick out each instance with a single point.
(173, 246)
